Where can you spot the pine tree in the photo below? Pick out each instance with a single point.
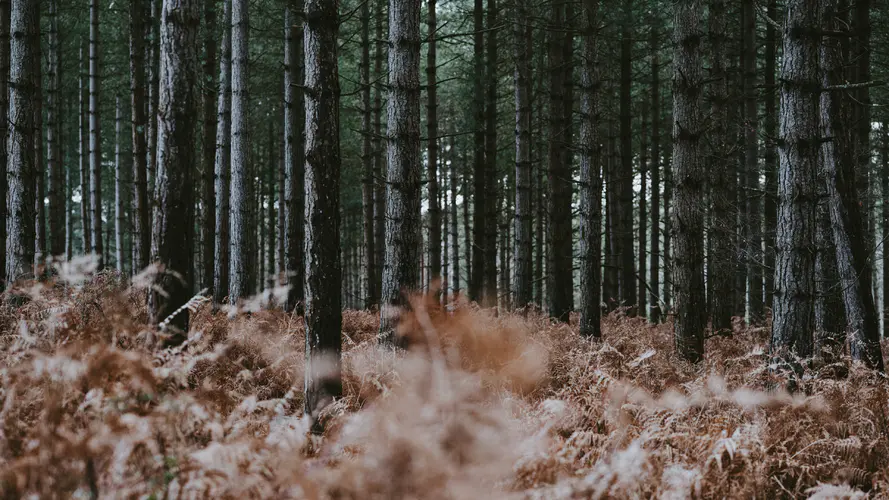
(222, 162)
(240, 283)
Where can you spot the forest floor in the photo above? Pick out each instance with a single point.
(500, 407)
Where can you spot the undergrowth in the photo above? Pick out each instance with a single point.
(479, 406)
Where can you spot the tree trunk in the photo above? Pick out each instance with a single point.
(654, 261)
(40, 223)
(240, 285)
(590, 178)
(271, 217)
(121, 188)
(153, 89)
(95, 140)
(54, 140)
(85, 203)
(208, 142)
(455, 237)
(294, 157)
(432, 146)
(860, 108)
(4, 130)
(324, 273)
(403, 223)
(367, 158)
(756, 299)
(378, 159)
(522, 283)
(479, 186)
(794, 294)
(770, 207)
(884, 179)
(627, 259)
(690, 176)
(493, 198)
(721, 259)
(141, 229)
(173, 238)
(222, 166)
(642, 254)
(22, 167)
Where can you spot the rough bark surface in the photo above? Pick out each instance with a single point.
(121, 194)
(689, 177)
(222, 165)
(755, 297)
(432, 153)
(4, 129)
(798, 147)
(56, 191)
(522, 286)
(83, 144)
(368, 203)
(654, 266)
(479, 187)
(141, 229)
(240, 283)
(628, 280)
(208, 143)
(95, 138)
(323, 316)
(401, 274)
(770, 207)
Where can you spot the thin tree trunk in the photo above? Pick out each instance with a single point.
(493, 198)
(54, 139)
(37, 136)
(324, 273)
(794, 294)
(770, 207)
(643, 210)
(208, 142)
(432, 145)
(884, 179)
(240, 284)
(627, 259)
(379, 165)
(590, 178)
(654, 260)
(455, 238)
(367, 158)
(222, 162)
(271, 217)
(690, 175)
(141, 228)
(281, 268)
(479, 191)
(5, 6)
(756, 299)
(522, 283)
(22, 167)
(153, 90)
(85, 203)
(121, 188)
(95, 137)
(173, 239)
(403, 223)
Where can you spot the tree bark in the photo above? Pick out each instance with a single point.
(522, 283)
(323, 269)
(493, 198)
(37, 136)
(479, 186)
(85, 203)
(590, 178)
(5, 6)
(54, 139)
(455, 237)
(222, 162)
(627, 259)
(121, 188)
(95, 137)
(770, 207)
(432, 145)
(22, 167)
(799, 144)
(755, 299)
(294, 158)
(690, 176)
(654, 261)
(401, 275)
(141, 229)
(240, 285)
(153, 90)
(208, 142)
(367, 159)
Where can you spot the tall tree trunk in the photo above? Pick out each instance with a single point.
(4, 129)
(85, 203)
(884, 179)
(367, 158)
(173, 238)
(281, 268)
(455, 237)
(690, 175)
(493, 198)
(721, 258)
(479, 186)
(642, 255)
(654, 261)
(153, 29)
(590, 178)
(560, 238)
(432, 145)
(271, 217)
(222, 162)
(522, 284)
(240, 284)
(860, 108)
(22, 167)
(770, 207)
(668, 226)
(379, 164)
(95, 140)
(37, 136)
(794, 293)
(208, 142)
(141, 228)
(627, 259)
(756, 299)
(54, 139)
(121, 188)
(324, 274)
(403, 223)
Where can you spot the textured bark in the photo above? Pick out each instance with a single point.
(493, 195)
(770, 207)
(755, 299)
(4, 129)
(271, 217)
(121, 191)
(668, 226)
(626, 234)
(522, 285)
(434, 239)
(590, 178)
(379, 165)
(884, 180)
(323, 271)
(690, 175)
(401, 275)
(85, 203)
(611, 276)
(240, 283)
(859, 107)
(559, 287)
(222, 162)
(153, 33)
(173, 229)
(37, 137)
(722, 186)
(294, 159)
(281, 261)
(367, 160)
(479, 187)
(455, 237)
(141, 230)
(798, 149)
(654, 266)
(95, 137)
(56, 189)
(22, 167)
(642, 249)
(208, 144)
